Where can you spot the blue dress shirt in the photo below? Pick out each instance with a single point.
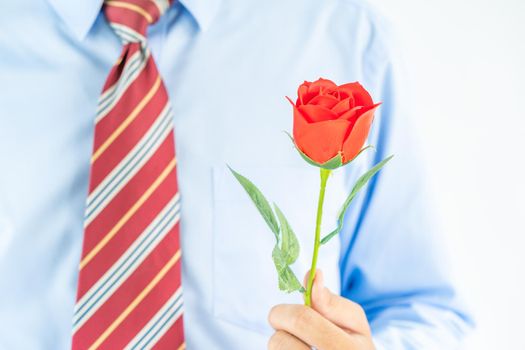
(228, 65)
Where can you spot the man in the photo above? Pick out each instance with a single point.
(225, 67)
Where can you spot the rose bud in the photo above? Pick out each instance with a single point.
(331, 123)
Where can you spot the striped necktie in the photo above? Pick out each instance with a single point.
(129, 289)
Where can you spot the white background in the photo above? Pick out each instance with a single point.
(466, 59)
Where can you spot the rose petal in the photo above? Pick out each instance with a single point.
(327, 101)
(352, 114)
(361, 96)
(301, 91)
(299, 122)
(307, 97)
(322, 141)
(356, 112)
(315, 113)
(334, 93)
(357, 135)
(342, 106)
(321, 84)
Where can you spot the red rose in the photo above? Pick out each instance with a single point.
(331, 123)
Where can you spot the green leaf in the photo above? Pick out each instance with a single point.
(361, 182)
(288, 281)
(289, 242)
(334, 163)
(260, 202)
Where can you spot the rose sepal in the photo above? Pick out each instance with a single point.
(331, 164)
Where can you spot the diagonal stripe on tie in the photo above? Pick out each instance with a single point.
(129, 285)
(127, 263)
(136, 224)
(143, 293)
(128, 167)
(113, 231)
(158, 325)
(131, 71)
(127, 121)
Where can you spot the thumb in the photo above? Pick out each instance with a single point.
(320, 294)
(322, 297)
(339, 310)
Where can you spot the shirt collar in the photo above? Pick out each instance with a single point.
(79, 16)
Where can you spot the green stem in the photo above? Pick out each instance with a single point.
(308, 294)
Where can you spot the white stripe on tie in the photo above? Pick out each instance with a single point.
(128, 34)
(167, 324)
(102, 195)
(159, 323)
(127, 263)
(111, 96)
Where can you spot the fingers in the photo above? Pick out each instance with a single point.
(332, 322)
(282, 340)
(341, 311)
(309, 326)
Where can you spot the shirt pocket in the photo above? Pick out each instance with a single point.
(245, 280)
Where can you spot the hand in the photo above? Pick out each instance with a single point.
(333, 322)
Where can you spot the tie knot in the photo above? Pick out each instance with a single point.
(130, 18)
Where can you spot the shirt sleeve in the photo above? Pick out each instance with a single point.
(392, 262)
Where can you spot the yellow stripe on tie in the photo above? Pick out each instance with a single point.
(136, 301)
(132, 7)
(182, 346)
(128, 214)
(127, 121)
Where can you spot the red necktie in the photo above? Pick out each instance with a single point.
(129, 289)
